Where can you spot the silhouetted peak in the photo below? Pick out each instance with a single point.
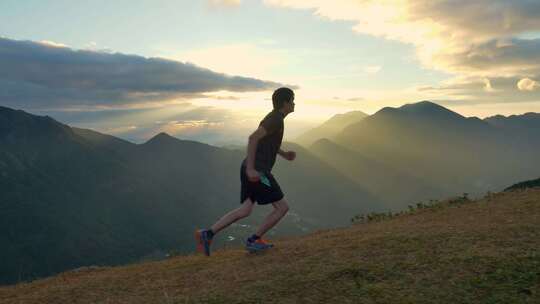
(387, 110)
(425, 107)
(531, 115)
(351, 114)
(4, 109)
(6, 112)
(163, 135)
(20, 124)
(20, 116)
(323, 142)
(528, 115)
(161, 138)
(344, 119)
(495, 117)
(422, 109)
(164, 140)
(423, 103)
(528, 120)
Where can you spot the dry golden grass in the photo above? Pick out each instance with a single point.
(486, 251)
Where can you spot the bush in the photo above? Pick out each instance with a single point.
(430, 205)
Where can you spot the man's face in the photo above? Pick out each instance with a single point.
(290, 104)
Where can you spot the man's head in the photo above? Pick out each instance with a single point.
(283, 99)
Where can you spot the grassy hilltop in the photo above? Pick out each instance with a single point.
(483, 251)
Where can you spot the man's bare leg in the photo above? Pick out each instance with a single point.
(280, 209)
(233, 216)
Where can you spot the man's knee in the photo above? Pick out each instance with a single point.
(281, 206)
(246, 208)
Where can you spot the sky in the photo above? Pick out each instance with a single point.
(206, 70)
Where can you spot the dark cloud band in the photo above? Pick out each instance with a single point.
(40, 75)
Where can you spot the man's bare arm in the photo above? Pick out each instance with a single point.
(289, 155)
(252, 146)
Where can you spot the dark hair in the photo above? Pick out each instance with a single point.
(281, 96)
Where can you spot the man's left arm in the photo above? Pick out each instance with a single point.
(290, 155)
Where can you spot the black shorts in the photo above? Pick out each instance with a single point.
(257, 191)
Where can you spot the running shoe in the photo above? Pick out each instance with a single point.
(258, 245)
(203, 241)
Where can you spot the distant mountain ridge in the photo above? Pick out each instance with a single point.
(518, 127)
(530, 119)
(427, 142)
(397, 188)
(72, 197)
(330, 128)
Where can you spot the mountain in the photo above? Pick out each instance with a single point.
(330, 127)
(104, 141)
(396, 188)
(72, 197)
(67, 203)
(307, 173)
(432, 143)
(521, 131)
(527, 121)
(457, 251)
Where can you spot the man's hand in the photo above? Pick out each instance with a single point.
(289, 155)
(253, 175)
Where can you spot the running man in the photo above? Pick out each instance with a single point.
(258, 183)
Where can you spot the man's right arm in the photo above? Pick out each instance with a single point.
(252, 146)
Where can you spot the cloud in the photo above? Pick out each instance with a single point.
(189, 128)
(209, 124)
(239, 58)
(120, 130)
(374, 69)
(47, 75)
(481, 39)
(212, 125)
(487, 85)
(527, 84)
(93, 46)
(223, 3)
(52, 44)
(508, 57)
(475, 90)
(439, 29)
(218, 97)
